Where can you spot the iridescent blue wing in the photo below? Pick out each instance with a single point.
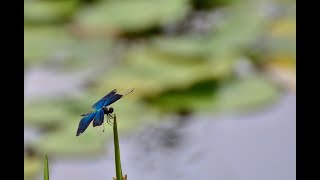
(98, 119)
(112, 99)
(98, 105)
(116, 97)
(84, 123)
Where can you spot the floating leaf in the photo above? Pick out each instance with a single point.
(185, 47)
(245, 94)
(133, 15)
(237, 31)
(41, 44)
(46, 12)
(151, 73)
(45, 114)
(56, 46)
(199, 96)
(87, 52)
(213, 96)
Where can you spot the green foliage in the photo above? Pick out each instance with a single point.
(133, 15)
(41, 44)
(49, 12)
(55, 45)
(212, 96)
(151, 72)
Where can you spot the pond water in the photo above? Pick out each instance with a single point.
(259, 145)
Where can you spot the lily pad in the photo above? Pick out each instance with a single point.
(199, 96)
(49, 12)
(245, 94)
(151, 73)
(41, 44)
(236, 32)
(212, 96)
(45, 114)
(55, 46)
(185, 47)
(131, 16)
(89, 52)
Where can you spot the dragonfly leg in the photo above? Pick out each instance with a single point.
(110, 123)
(113, 117)
(109, 120)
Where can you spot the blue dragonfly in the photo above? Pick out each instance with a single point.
(100, 109)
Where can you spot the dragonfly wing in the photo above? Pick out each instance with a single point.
(84, 123)
(116, 97)
(98, 119)
(98, 105)
(112, 99)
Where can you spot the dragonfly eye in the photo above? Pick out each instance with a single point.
(110, 110)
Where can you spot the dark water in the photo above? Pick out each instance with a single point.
(255, 146)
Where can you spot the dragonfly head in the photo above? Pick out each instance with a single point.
(110, 110)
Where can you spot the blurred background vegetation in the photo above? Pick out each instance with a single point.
(181, 56)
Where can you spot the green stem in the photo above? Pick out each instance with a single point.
(117, 150)
(46, 168)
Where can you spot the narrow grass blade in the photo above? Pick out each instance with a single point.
(117, 150)
(46, 168)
